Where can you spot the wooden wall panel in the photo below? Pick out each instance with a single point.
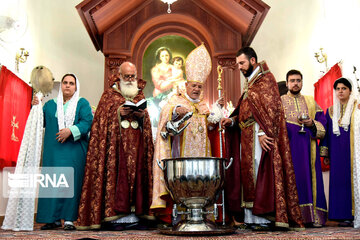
(123, 30)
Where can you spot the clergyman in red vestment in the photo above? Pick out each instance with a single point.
(262, 177)
(117, 188)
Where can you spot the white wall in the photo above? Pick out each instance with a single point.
(294, 30)
(56, 38)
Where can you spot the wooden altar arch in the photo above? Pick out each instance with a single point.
(160, 26)
(123, 29)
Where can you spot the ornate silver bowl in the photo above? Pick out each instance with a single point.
(194, 183)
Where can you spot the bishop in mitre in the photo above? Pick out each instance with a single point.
(193, 141)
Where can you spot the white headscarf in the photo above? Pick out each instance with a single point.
(66, 120)
(345, 121)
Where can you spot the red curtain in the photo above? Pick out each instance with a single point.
(15, 104)
(324, 87)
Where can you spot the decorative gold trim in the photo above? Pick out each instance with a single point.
(313, 146)
(83, 228)
(281, 224)
(310, 104)
(169, 139)
(324, 151)
(108, 219)
(262, 69)
(182, 147)
(250, 121)
(306, 205)
(247, 204)
(320, 130)
(320, 133)
(14, 125)
(207, 147)
(331, 111)
(157, 206)
(352, 156)
(321, 209)
(195, 81)
(297, 229)
(119, 119)
(148, 217)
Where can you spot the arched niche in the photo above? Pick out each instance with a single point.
(183, 26)
(123, 29)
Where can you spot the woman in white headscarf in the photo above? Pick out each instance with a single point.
(67, 122)
(338, 148)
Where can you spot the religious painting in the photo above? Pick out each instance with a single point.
(164, 71)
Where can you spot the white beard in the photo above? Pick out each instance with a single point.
(128, 89)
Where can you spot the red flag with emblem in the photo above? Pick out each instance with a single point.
(15, 104)
(323, 93)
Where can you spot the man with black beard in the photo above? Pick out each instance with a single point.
(303, 136)
(117, 187)
(262, 176)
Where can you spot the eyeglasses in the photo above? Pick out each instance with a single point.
(129, 76)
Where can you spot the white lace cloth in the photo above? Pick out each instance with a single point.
(19, 214)
(356, 171)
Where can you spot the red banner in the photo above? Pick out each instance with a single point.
(323, 93)
(15, 104)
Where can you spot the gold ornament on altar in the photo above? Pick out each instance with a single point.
(20, 57)
(198, 65)
(321, 57)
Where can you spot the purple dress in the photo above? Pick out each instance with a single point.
(340, 190)
(306, 157)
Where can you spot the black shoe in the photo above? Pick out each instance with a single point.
(50, 226)
(121, 226)
(346, 223)
(109, 226)
(142, 226)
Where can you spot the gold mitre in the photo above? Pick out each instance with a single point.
(198, 65)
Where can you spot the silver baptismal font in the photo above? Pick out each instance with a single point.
(194, 184)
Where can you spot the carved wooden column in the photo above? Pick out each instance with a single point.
(231, 82)
(112, 65)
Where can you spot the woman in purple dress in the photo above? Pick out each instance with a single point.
(337, 147)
